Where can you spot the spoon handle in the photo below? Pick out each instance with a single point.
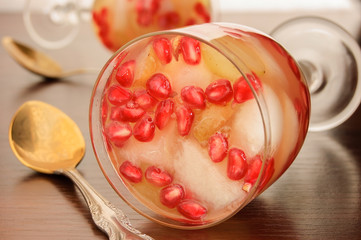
(107, 217)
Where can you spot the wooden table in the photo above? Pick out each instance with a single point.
(319, 197)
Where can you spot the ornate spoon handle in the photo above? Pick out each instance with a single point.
(108, 218)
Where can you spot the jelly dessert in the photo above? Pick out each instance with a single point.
(118, 21)
(197, 122)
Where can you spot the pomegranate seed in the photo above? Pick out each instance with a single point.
(168, 20)
(144, 100)
(185, 117)
(219, 92)
(115, 113)
(254, 168)
(163, 49)
(202, 11)
(194, 97)
(131, 172)
(118, 95)
(158, 86)
(125, 73)
(118, 132)
(163, 113)
(172, 195)
(191, 50)
(268, 172)
(145, 11)
(144, 129)
(131, 112)
(242, 92)
(190, 21)
(217, 147)
(158, 177)
(237, 164)
(192, 209)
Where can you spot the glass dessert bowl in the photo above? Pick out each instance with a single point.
(189, 125)
(55, 23)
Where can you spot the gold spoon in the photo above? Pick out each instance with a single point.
(36, 61)
(45, 139)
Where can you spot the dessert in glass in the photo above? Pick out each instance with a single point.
(55, 23)
(190, 125)
(116, 22)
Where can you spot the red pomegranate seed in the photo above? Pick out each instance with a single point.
(125, 73)
(158, 177)
(163, 113)
(131, 172)
(172, 195)
(146, 10)
(144, 100)
(268, 172)
(202, 11)
(219, 92)
(168, 20)
(194, 97)
(144, 129)
(191, 50)
(185, 117)
(158, 86)
(192, 209)
(118, 132)
(118, 95)
(237, 164)
(254, 168)
(217, 147)
(163, 49)
(131, 112)
(242, 92)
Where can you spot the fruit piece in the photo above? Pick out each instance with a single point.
(131, 172)
(211, 120)
(125, 73)
(237, 164)
(191, 50)
(144, 100)
(163, 49)
(267, 174)
(169, 20)
(159, 86)
(172, 195)
(144, 129)
(118, 95)
(219, 64)
(254, 168)
(158, 177)
(185, 117)
(219, 92)
(202, 11)
(192, 209)
(242, 91)
(217, 147)
(146, 10)
(118, 132)
(131, 112)
(194, 97)
(163, 113)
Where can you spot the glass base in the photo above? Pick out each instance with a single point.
(51, 24)
(330, 59)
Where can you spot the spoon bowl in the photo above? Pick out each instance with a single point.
(46, 140)
(37, 62)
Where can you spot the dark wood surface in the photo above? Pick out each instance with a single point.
(319, 197)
